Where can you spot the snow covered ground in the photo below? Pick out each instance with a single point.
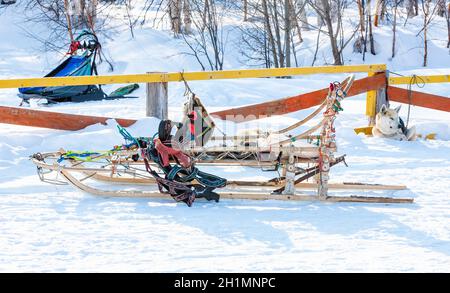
(46, 228)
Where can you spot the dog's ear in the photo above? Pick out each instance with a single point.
(383, 108)
(398, 109)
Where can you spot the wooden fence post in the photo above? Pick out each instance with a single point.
(157, 100)
(375, 99)
(381, 97)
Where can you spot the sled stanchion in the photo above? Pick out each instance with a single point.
(157, 99)
(289, 187)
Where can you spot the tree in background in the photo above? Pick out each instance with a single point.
(272, 32)
(175, 9)
(206, 37)
(380, 12)
(427, 17)
(441, 8)
(394, 26)
(83, 13)
(272, 37)
(328, 11)
(447, 16)
(360, 43)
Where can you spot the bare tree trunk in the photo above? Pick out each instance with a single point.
(334, 9)
(448, 25)
(383, 10)
(426, 14)
(329, 23)
(69, 22)
(325, 13)
(187, 17)
(287, 31)
(320, 20)
(91, 15)
(372, 43)
(361, 15)
(441, 8)
(205, 11)
(84, 19)
(175, 16)
(294, 22)
(302, 13)
(359, 44)
(270, 34)
(245, 10)
(93, 10)
(278, 33)
(129, 17)
(378, 13)
(293, 51)
(317, 46)
(410, 6)
(394, 29)
(79, 19)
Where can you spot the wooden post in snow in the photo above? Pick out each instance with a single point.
(157, 100)
(382, 98)
(375, 99)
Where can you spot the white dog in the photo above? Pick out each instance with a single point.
(388, 124)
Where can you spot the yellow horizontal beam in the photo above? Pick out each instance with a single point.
(419, 79)
(177, 76)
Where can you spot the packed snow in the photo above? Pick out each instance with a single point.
(47, 228)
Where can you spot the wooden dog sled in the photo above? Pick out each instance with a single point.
(294, 157)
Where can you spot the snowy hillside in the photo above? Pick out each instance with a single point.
(48, 228)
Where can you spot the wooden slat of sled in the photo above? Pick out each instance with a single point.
(96, 173)
(303, 185)
(53, 120)
(419, 99)
(299, 102)
(235, 194)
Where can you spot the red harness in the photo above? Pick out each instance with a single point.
(166, 152)
(74, 46)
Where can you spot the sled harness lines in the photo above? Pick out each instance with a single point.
(182, 180)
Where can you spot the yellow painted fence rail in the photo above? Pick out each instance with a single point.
(188, 76)
(162, 77)
(419, 79)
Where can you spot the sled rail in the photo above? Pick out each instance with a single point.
(235, 194)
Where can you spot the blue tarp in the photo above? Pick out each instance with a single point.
(72, 66)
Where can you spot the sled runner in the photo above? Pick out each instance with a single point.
(172, 165)
(83, 54)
